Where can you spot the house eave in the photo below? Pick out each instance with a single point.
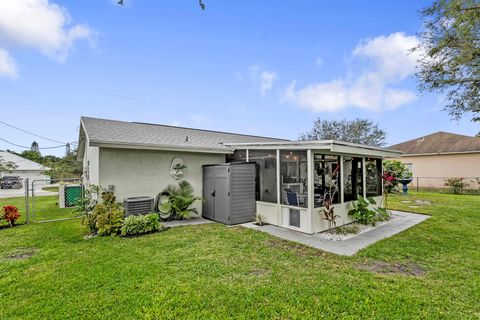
(332, 146)
(437, 153)
(159, 147)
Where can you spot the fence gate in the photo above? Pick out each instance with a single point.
(54, 199)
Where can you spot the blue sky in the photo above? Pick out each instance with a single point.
(258, 67)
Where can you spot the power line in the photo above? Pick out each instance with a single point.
(20, 146)
(33, 134)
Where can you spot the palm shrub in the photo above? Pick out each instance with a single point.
(176, 201)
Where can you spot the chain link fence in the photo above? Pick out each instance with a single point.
(460, 185)
(54, 199)
(40, 200)
(14, 192)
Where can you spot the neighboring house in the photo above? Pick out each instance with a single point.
(292, 178)
(25, 168)
(437, 156)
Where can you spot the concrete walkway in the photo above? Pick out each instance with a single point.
(190, 222)
(352, 245)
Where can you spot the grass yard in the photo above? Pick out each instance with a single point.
(212, 271)
(46, 208)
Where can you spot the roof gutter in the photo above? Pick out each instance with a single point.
(160, 147)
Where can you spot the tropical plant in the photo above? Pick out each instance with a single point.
(456, 185)
(85, 205)
(10, 214)
(141, 224)
(108, 219)
(108, 215)
(329, 213)
(361, 212)
(176, 201)
(393, 170)
(259, 220)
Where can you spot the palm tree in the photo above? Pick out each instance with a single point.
(176, 201)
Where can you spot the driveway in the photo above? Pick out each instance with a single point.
(9, 193)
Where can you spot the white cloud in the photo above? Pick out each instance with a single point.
(263, 78)
(267, 78)
(386, 61)
(40, 25)
(7, 65)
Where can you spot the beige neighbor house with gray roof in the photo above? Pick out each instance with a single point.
(292, 179)
(435, 157)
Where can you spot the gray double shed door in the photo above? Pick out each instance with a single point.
(229, 192)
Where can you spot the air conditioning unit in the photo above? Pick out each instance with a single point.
(138, 205)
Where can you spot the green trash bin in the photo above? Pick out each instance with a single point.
(73, 192)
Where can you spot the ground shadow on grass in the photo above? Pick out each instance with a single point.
(382, 267)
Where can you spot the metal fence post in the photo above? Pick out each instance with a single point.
(417, 184)
(27, 208)
(33, 201)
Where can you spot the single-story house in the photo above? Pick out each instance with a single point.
(293, 178)
(435, 157)
(25, 168)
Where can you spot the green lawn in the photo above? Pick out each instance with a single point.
(213, 271)
(51, 189)
(46, 208)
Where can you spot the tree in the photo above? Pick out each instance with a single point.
(449, 54)
(35, 156)
(361, 131)
(35, 147)
(7, 166)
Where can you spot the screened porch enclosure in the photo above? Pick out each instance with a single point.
(293, 183)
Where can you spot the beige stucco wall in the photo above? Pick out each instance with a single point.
(443, 166)
(147, 172)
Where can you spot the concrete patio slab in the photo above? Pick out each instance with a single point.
(351, 246)
(190, 222)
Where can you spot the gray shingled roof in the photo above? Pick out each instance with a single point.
(439, 142)
(112, 132)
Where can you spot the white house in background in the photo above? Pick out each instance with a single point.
(292, 179)
(25, 168)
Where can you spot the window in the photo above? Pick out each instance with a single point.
(409, 167)
(293, 177)
(373, 177)
(266, 175)
(352, 178)
(326, 176)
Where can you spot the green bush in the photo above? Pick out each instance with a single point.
(364, 215)
(456, 185)
(109, 219)
(141, 224)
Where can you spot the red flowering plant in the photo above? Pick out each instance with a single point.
(10, 214)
